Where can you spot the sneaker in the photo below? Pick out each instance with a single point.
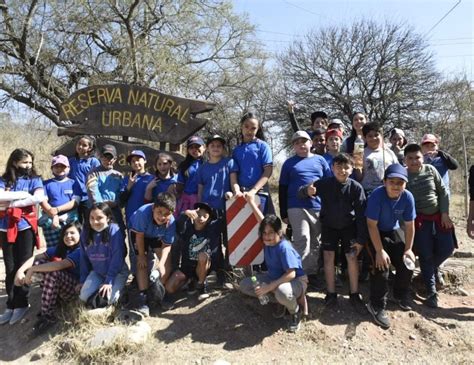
(6, 316)
(203, 291)
(439, 279)
(295, 321)
(167, 303)
(432, 301)
(142, 307)
(357, 303)
(279, 311)
(192, 287)
(379, 315)
(44, 324)
(330, 300)
(404, 304)
(18, 314)
(222, 282)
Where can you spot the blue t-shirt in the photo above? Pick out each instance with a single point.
(214, 177)
(142, 222)
(388, 212)
(328, 157)
(60, 192)
(74, 257)
(80, 168)
(136, 196)
(299, 171)
(189, 178)
(250, 159)
(162, 185)
(23, 183)
(104, 258)
(280, 258)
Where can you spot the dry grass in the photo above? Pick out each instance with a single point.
(41, 140)
(73, 345)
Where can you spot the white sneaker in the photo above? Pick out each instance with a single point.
(18, 314)
(6, 316)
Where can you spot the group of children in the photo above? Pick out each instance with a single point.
(176, 228)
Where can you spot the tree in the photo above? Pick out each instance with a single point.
(384, 70)
(196, 49)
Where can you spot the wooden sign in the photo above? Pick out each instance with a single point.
(134, 111)
(123, 150)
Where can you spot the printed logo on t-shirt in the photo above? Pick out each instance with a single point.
(198, 245)
(67, 191)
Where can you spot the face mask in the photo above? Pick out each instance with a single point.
(98, 230)
(22, 171)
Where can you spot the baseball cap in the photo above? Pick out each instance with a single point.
(108, 149)
(60, 160)
(396, 170)
(336, 123)
(206, 207)
(333, 132)
(300, 134)
(194, 140)
(429, 138)
(137, 153)
(215, 137)
(318, 114)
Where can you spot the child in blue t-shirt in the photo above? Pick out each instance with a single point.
(253, 163)
(187, 184)
(165, 177)
(62, 197)
(213, 184)
(80, 166)
(302, 213)
(333, 145)
(132, 193)
(197, 233)
(153, 228)
(386, 207)
(18, 227)
(61, 270)
(104, 183)
(285, 278)
(104, 271)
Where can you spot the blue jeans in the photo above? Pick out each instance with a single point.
(94, 281)
(433, 246)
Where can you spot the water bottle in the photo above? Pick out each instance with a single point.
(154, 276)
(358, 153)
(409, 263)
(264, 299)
(359, 145)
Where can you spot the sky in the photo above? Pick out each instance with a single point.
(279, 22)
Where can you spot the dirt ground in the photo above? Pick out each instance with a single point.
(235, 329)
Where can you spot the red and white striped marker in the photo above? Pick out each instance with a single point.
(245, 247)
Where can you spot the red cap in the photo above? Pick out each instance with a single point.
(334, 132)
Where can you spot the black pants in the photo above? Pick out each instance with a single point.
(394, 247)
(15, 255)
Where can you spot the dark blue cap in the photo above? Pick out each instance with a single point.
(137, 153)
(194, 140)
(396, 170)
